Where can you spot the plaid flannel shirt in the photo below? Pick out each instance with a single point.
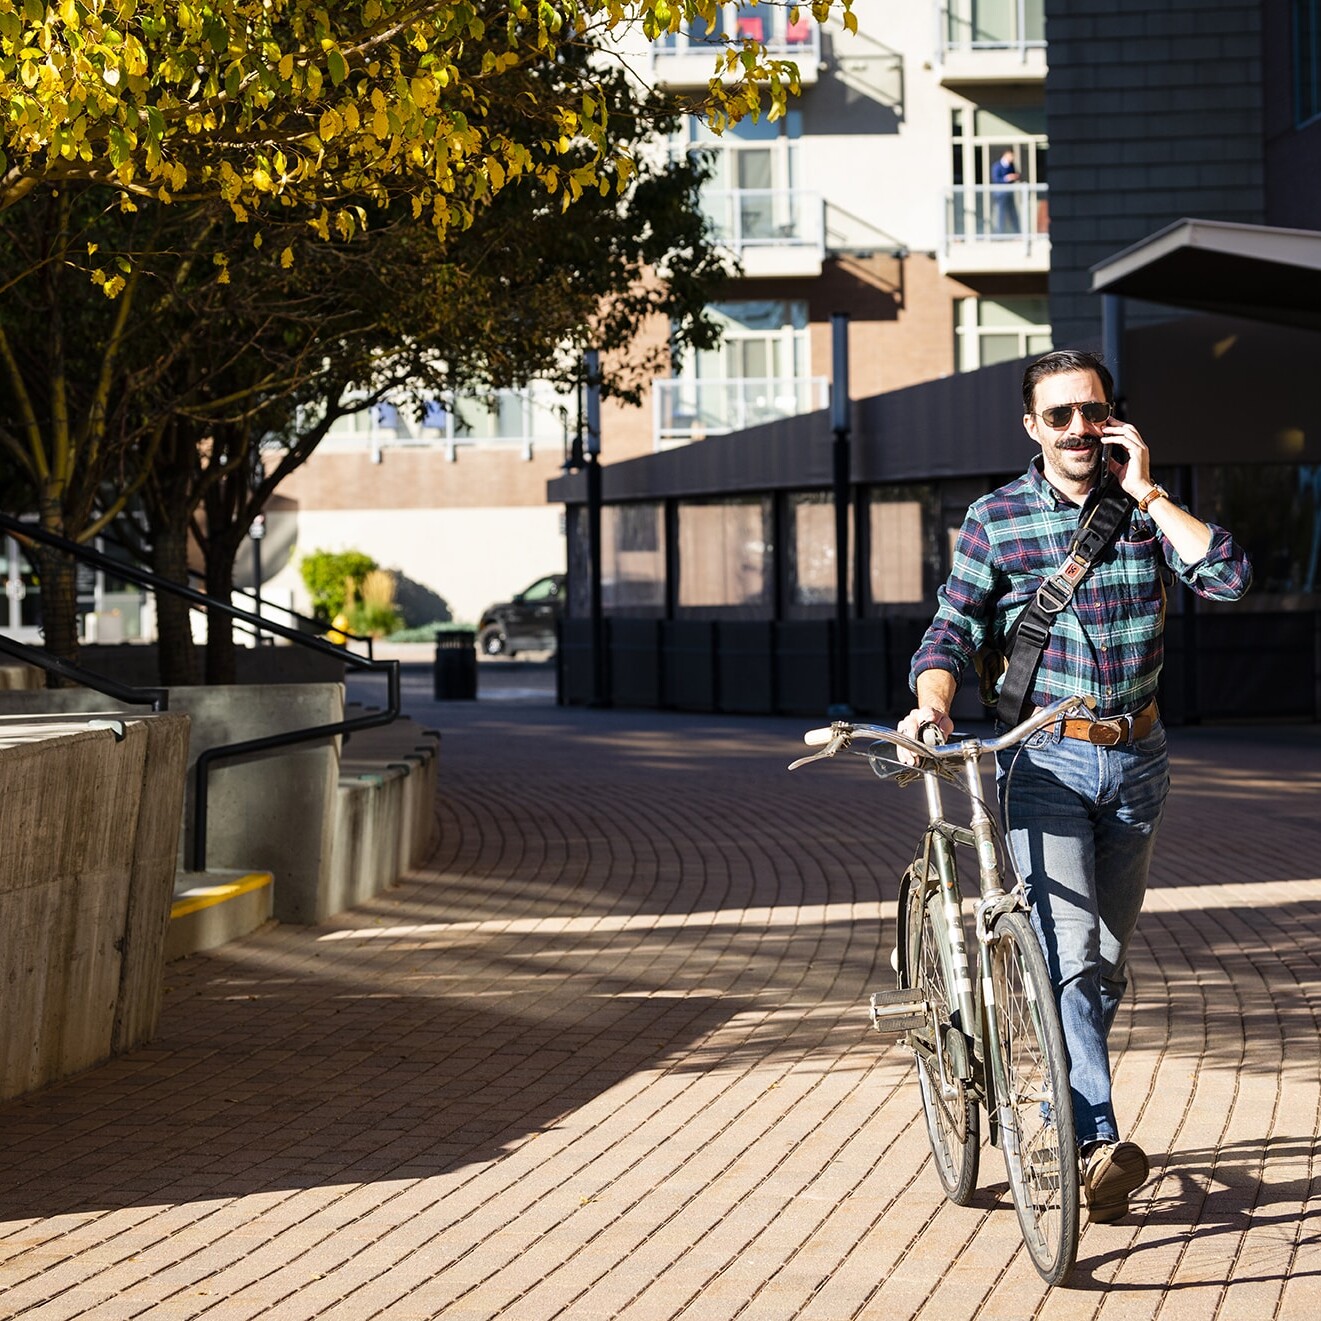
(1106, 644)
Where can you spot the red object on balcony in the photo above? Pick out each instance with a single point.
(751, 26)
(798, 34)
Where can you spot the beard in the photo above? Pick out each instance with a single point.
(1078, 457)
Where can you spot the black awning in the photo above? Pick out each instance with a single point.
(1253, 271)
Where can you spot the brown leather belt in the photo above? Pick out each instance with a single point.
(1110, 733)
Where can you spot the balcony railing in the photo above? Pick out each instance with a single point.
(522, 419)
(765, 218)
(993, 25)
(687, 410)
(997, 227)
(688, 59)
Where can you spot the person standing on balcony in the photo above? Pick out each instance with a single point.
(1082, 799)
(1004, 174)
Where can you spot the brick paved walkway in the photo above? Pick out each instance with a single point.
(606, 1056)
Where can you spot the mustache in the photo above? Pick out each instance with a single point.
(1077, 443)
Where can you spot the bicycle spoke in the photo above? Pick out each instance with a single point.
(1036, 1112)
(952, 1120)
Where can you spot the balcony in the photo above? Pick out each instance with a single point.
(769, 231)
(530, 419)
(686, 410)
(688, 59)
(996, 229)
(991, 41)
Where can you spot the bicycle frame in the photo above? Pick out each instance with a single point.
(974, 1010)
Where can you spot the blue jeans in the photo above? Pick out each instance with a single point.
(1081, 821)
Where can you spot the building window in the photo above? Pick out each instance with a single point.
(994, 24)
(782, 33)
(905, 551)
(725, 559)
(753, 195)
(998, 169)
(810, 572)
(981, 136)
(757, 373)
(633, 559)
(1307, 59)
(991, 330)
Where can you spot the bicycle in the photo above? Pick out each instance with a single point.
(992, 1044)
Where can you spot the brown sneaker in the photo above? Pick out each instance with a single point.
(1111, 1171)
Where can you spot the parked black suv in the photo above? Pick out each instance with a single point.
(527, 623)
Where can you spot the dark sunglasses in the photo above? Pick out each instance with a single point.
(1061, 415)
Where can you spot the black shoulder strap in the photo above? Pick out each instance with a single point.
(1028, 638)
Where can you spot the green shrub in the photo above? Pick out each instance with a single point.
(334, 578)
(372, 613)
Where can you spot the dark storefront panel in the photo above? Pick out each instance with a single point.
(746, 658)
(635, 661)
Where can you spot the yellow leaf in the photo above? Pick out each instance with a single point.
(287, 258)
(851, 21)
(287, 67)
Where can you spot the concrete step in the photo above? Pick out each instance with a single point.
(214, 907)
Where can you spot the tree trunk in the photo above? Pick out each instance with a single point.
(178, 658)
(59, 608)
(221, 661)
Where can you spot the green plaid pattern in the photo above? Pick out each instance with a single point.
(1107, 643)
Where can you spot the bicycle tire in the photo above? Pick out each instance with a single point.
(1036, 1114)
(954, 1122)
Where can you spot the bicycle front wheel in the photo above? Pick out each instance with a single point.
(1034, 1105)
(948, 1102)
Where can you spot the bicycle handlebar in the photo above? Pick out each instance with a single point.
(840, 734)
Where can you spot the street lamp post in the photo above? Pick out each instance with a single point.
(592, 463)
(840, 707)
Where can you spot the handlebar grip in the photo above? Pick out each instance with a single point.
(818, 738)
(931, 734)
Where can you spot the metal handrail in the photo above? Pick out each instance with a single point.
(295, 614)
(156, 698)
(201, 770)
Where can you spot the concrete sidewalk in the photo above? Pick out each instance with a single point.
(607, 1055)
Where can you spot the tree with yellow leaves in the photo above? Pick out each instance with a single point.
(282, 114)
(329, 108)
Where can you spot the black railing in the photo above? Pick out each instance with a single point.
(321, 627)
(26, 532)
(156, 698)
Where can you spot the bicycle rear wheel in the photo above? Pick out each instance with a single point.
(952, 1117)
(1035, 1109)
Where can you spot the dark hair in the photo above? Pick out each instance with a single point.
(1066, 360)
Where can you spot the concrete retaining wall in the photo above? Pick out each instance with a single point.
(91, 827)
(271, 812)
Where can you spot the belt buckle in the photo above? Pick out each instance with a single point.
(1105, 732)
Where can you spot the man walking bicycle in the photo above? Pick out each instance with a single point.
(1082, 799)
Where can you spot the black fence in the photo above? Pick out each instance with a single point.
(1217, 666)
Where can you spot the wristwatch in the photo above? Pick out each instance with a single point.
(1156, 493)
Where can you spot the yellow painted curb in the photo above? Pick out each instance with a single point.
(207, 896)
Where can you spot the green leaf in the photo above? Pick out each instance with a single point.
(337, 66)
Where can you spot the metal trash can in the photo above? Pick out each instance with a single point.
(456, 665)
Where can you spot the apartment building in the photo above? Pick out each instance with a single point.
(882, 193)
(1184, 223)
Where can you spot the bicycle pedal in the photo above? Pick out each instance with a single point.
(898, 1011)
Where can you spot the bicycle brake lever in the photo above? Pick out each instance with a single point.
(837, 741)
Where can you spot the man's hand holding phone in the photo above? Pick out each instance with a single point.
(1127, 456)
